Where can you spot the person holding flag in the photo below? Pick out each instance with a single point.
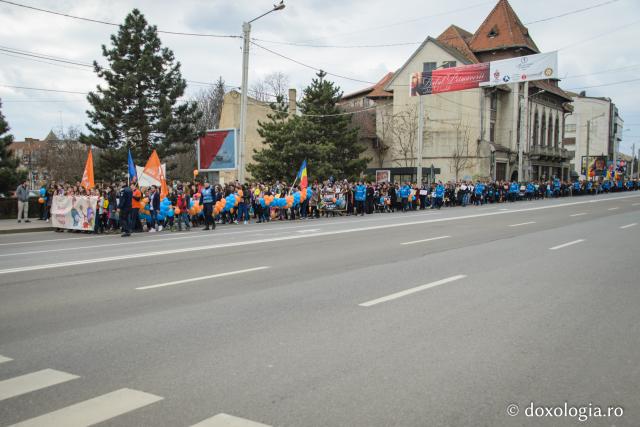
(133, 174)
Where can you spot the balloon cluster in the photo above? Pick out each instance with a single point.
(166, 211)
(287, 201)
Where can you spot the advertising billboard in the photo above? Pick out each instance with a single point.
(597, 165)
(540, 66)
(449, 79)
(217, 150)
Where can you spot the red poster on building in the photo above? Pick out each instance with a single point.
(449, 79)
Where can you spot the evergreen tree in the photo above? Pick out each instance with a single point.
(9, 175)
(322, 135)
(138, 108)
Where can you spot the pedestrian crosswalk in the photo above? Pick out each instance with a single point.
(94, 410)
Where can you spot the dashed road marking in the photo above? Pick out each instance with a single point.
(411, 291)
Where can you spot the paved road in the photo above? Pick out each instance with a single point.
(436, 318)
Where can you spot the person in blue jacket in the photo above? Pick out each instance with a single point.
(405, 191)
(514, 189)
(207, 202)
(360, 197)
(577, 188)
(479, 194)
(439, 195)
(530, 190)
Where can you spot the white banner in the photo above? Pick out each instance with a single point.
(540, 66)
(74, 212)
(146, 180)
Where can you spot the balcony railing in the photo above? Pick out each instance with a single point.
(548, 152)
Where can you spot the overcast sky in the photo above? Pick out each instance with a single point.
(596, 41)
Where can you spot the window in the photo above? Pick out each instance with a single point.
(570, 127)
(449, 64)
(494, 101)
(493, 33)
(501, 171)
(428, 66)
(492, 132)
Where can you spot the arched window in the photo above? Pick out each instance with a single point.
(543, 132)
(556, 137)
(550, 141)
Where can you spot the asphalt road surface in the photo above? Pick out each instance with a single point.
(429, 318)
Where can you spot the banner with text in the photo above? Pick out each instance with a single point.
(74, 212)
(541, 66)
(449, 79)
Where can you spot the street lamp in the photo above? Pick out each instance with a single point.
(246, 30)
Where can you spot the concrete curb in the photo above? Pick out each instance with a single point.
(26, 230)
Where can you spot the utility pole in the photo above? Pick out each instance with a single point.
(246, 30)
(246, 34)
(588, 140)
(420, 141)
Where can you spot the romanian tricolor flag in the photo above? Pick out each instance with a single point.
(302, 175)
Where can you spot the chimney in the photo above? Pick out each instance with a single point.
(292, 101)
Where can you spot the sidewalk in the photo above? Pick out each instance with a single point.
(10, 226)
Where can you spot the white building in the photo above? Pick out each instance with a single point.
(595, 121)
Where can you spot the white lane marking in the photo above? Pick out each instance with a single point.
(313, 230)
(629, 225)
(31, 382)
(579, 214)
(636, 204)
(284, 238)
(411, 291)
(564, 245)
(5, 359)
(613, 209)
(224, 420)
(522, 223)
(504, 209)
(93, 411)
(196, 279)
(425, 240)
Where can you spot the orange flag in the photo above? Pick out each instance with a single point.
(153, 168)
(87, 176)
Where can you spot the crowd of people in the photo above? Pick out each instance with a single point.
(126, 208)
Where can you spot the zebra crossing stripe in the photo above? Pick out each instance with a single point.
(225, 420)
(93, 411)
(31, 382)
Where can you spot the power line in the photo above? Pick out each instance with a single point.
(35, 55)
(364, 46)
(44, 90)
(97, 21)
(620, 28)
(573, 12)
(602, 71)
(606, 84)
(309, 66)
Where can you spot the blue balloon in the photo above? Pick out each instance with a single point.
(160, 217)
(262, 202)
(170, 213)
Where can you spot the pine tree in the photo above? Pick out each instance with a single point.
(138, 108)
(322, 135)
(9, 175)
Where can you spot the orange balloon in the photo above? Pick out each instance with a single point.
(303, 196)
(267, 200)
(237, 200)
(240, 193)
(176, 211)
(41, 200)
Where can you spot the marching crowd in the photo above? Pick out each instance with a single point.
(126, 208)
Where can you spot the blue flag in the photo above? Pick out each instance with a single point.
(132, 168)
